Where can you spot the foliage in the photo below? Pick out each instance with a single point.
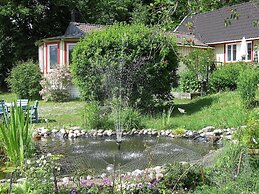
(179, 131)
(247, 86)
(226, 77)
(91, 116)
(25, 22)
(55, 87)
(182, 176)
(39, 175)
(133, 61)
(188, 82)
(129, 118)
(232, 172)
(166, 115)
(16, 136)
(249, 135)
(24, 80)
(200, 63)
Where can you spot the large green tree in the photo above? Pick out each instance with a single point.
(22, 24)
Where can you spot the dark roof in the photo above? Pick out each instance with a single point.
(210, 27)
(76, 30)
(187, 39)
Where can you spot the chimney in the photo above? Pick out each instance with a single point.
(73, 16)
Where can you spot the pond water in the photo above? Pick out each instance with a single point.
(94, 155)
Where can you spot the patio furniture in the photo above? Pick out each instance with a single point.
(3, 108)
(34, 111)
(23, 103)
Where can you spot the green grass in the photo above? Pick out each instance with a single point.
(220, 110)
(58, 114)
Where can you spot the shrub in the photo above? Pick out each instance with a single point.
(24, 80)
(182, 176)
(188, 82)
(133, 60)
(55, 87)
(91, 116)
(131, 118)
(226, 77)
(247, 86)
(250, 134)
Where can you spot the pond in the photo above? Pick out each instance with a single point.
(94, 155)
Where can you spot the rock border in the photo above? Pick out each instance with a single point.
(207, 134)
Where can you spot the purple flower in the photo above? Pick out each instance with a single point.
(139, 185)
(149, 185)
(73, 192)
(106, 182)
(92, 184)
(156, 181)
(83, 183)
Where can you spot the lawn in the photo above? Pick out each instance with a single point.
(220, 110)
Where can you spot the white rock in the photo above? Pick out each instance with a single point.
(65, 179)
(63, 131)
(54, 131)
(89, 177)
(43, 131)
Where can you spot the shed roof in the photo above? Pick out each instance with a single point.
(210, 27)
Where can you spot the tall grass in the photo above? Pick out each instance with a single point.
(16, 136)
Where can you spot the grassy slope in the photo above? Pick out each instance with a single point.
(219, 110)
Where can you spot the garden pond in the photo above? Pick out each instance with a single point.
(138, 152)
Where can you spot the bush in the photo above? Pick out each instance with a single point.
(92, 116)
(133, 60)
(24, 80)
(180, 177)
(247, 86)
(55, 87)
(188, 82)
(130, 119)
(226, 77)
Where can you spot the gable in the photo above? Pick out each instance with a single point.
(210, 27)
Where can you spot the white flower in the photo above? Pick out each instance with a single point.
(28, 162)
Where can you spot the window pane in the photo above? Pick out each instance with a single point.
(229, 53)
(249, 51)
(234, 52)
(70, 50)
(53, 56)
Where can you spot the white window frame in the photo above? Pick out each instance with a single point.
(231, 59)
(49, 45)
(251, 51)
(67, 51)
(238, 44)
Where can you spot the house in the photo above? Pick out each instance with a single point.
(200, 31)
(223, 30)
(57, 50)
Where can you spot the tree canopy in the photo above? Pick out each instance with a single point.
(24, 22)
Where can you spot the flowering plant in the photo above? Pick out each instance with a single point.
(55, 87)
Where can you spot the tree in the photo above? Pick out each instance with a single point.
(22, 24)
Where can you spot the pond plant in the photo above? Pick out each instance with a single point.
(16, 136)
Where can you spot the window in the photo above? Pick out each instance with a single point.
(70, 48)
(53, 55)
(249, 51)
(231, 52)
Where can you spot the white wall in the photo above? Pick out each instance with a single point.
(219, 53)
